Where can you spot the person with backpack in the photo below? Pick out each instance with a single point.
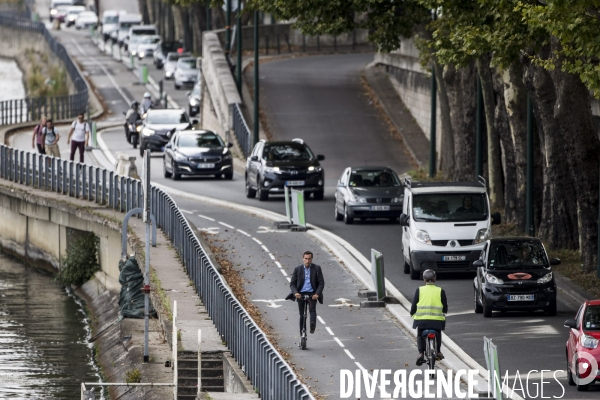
(37, 139)
(50, 139)
(80, 131)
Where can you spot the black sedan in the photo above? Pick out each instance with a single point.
(159, 125)
(162, 49)
(514, 273)
(198, 152)
(368, 192)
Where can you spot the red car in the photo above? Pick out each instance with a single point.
(583, 346)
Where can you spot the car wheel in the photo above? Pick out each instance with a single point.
(478, 306)
(414, 275)
(176, 86)
(487, 311)
(551, 310)
(580, 388)
(347, 218)
(166, 173)
(176, 176)
(570, 379)
(250, 193)
(319, 195)
(263, 195)
(338, 216)
(406, 268)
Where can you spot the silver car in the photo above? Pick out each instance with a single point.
(186, 73)
(367, 193)
(171, 63)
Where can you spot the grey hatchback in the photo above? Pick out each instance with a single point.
(368, 192)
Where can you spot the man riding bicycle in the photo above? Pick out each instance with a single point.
(307, 279)
(429, 305)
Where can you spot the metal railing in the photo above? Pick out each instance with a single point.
(241, 130)
(249, 345)
(59, 107)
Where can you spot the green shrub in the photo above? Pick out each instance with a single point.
(133, 376)
(81, 261)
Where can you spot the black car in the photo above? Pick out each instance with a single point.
(197, 152)
(162, 49)
(514, 274)
(194, 99)
(159, 125)
(274, 165)
(368, 192)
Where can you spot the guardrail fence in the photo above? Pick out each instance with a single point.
(241, 130)
(263, 364)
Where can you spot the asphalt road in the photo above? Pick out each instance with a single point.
(321, 100)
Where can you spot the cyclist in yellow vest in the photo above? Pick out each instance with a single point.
(428, 308)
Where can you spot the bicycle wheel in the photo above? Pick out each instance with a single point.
(303, 343)
(431, 353)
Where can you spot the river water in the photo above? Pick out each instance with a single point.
(44, 353)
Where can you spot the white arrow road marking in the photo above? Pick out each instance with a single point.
(211, 231)
(271, 302)
(343, 302)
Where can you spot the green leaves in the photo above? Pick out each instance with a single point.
(81, 261)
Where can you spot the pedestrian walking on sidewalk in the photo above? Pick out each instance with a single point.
(50, 139)
(80, 131)
(307, 279)
(37, 138)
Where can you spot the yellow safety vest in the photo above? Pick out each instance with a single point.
(430, 304)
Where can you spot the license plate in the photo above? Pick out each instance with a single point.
(206, 165)
(380, 208)
(454, 258)
(520, 297)
(294, 183)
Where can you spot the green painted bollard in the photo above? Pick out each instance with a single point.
(132, 61)
(36, 17)
(94, 135)
(144, 74)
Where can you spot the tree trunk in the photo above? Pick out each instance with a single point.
(515, 101)
(461, 90)
(447, 150)
(558, 223)
(489, 105)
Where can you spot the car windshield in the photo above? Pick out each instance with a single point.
(450, 207)
(111, 20)
(287, 152)
(186, 63)
(150, 40)
(517, 253)
(62, 8)
(76, 11)
(167, 117)
(196, 90)
(200, 140)
(374, 177)
(126, 25)
(591, 319)
(142, 32)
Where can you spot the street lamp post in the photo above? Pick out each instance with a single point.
(238, 64)
(529, 229)
(256, 86)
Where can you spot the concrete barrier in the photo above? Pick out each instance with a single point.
(126, 166)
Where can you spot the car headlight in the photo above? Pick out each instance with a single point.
(138, 128)
(180, 157)
(148, 131)
(314, 169)
(53, 12)
(588, 342)
(142, 54)
(357, 199)
(422, 236)
(194, 102)
(493, 279)
(227, 156)
(482, 235)
(272, 170)
(546, 278)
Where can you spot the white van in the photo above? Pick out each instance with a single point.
(126, 21)
(135, 35)
(110, 21)
(444, 225)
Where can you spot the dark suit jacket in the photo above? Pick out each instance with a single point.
(316, 280)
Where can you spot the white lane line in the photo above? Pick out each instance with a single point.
(205, 217)
(227, 225)
(339, 341)
(288, 279)
(185, 211)
(360, 366)
(243, 233)
(349, 354)
(272, 256)
(283, 272)
(257, 241)
(321, 320)
(265, 248)
(278, 264)
(329, 330)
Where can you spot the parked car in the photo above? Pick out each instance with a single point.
(368, 192)
(170, 64)
(186, 73)
(163, 48)
(146, 46)
(273, 165)
(159, 125)
(72, 13)
(86, 19)
(583, 345)
(194, 97)
(197, 152)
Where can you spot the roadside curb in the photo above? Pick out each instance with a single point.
(567, 286)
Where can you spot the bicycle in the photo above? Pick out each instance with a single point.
(303, 337)
(430, 355)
